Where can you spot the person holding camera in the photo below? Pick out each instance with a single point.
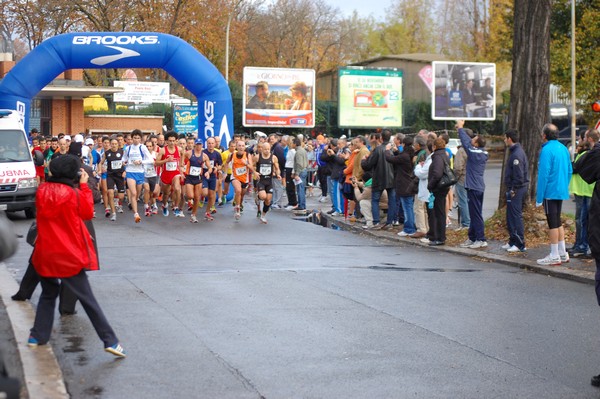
(62, 210)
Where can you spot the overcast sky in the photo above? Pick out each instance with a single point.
(364, 7)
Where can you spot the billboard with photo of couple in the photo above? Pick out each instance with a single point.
(463, 90)
(278, 97)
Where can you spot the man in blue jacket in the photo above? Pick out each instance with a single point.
(474, 184)
(554, 175)
(516, 180)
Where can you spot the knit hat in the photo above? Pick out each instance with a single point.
(65, 166)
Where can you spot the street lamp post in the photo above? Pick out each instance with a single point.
(573, 85)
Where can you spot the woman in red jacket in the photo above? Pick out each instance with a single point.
(64, 250)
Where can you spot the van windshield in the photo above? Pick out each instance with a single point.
(13, 147)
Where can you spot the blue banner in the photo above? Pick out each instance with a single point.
(185, 119)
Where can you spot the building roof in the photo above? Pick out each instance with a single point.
(425, 58)
(416, 57)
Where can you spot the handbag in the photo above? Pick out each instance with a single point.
(32, 234)
(448, 177)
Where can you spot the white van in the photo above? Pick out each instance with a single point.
(17, 170)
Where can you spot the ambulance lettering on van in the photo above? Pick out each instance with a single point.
(18, 183)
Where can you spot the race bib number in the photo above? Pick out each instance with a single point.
(212, 163)
(240, 171)
(149, 171)
(171, 166)
(266, 170)
(195, 171)
(116, 164)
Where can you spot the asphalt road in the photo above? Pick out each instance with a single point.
(294, 310)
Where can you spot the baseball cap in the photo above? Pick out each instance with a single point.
(258, 133)
(67, 137)
(198, 141)
(78, 138)
(89, 141)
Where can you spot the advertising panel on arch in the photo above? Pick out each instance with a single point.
(465, 90)
(279, 97)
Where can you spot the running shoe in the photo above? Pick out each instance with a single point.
(113, 218)
(107, 213)
(564, 258)
(258, 213)
(116, 350)
(507, 246)
(147, 212)
(137, 218)
(467, 244)
(213, 210)
(208, 216)
(550, 261)
(190, 206)
(179, 213)
(32, 342)
(515, 249)
(223, 201)
(263, 219)
(154, 209)
(237, 215)
(129, 205)
(241, 207)
(165, 209)
(193, 219)
(119, 209)
(478, 244)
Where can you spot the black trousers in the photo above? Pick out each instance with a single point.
(438, 227)
(322, 177)
(290, 188)
(80, 286)
(31, 279)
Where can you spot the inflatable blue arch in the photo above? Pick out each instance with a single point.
(123, 50)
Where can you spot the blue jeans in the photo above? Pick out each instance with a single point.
(375, 197)
(582, 208)
(463, 206)
(409, 214)
(301, 190)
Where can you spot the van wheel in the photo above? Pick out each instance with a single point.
(30, 213)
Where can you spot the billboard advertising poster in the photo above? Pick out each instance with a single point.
(370, 97)
(185, 119)
(464, 90)
(279, 97)
(142, 92)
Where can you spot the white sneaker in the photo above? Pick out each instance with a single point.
(263, 219)
(478, 244)
(335, 214)
(193, 219)
(564, 258)
(113, 217)
(424, 240)
(367, 226)
(467, 243)
(403, 234)
(289, 207)
(507, 246)
(514, 249)
(119, 209)
(550, 261)
(275, 206)
(323, 199)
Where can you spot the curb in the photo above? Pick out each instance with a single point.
(41, 372)
(526, 264)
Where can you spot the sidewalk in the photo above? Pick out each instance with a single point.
(582, 270)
